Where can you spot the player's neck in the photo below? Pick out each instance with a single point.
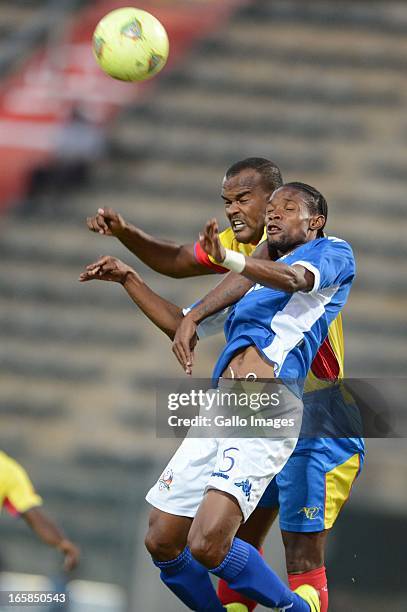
(291, 247)
(254, 241)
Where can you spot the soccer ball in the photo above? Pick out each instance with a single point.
(130, 44)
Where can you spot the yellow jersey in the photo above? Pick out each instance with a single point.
(17, 494)
(329, 361)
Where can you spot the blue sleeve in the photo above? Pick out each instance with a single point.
(331, 261)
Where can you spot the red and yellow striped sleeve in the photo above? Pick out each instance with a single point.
(328, 364)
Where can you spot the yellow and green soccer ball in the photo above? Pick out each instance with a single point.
(130, 44)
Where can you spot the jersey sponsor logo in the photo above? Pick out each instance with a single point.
(286, 608)
(311, 512)
(246, 487)
(165, 480)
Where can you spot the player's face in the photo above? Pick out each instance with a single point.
(288, 220)
(245, 205)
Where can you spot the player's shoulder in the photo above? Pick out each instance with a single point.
(330, 243)
(340, 248)
(5, 460)
(334, 241)
(328, 252)
(10, 467)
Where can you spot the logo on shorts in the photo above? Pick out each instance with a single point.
(310, 513)
(246, 487)
(220, 475)
(165, 480)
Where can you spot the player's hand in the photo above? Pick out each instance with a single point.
(185, 340)
(210, 241)
(107, 222)
(71, 554)
(108, 268)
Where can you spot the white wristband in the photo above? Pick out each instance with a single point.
(234, 261)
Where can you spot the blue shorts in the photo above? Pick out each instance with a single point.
(315, 483)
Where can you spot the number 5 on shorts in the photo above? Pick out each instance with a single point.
(228, 460)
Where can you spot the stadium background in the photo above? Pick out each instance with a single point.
(317, 86)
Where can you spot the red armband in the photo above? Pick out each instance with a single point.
(203, 258)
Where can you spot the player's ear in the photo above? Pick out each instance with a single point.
(317, 223)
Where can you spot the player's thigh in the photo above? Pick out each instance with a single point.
(214, 527)
(220, 513)
(244, 468)
(181, 486)
(315, 484)
(257, 526)
(259, 523)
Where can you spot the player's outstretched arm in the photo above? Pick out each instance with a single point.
(169, 258)
(264, 271)
(50, 533)
(227, 292)
(161, 312)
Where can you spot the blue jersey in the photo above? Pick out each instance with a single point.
(288, 328)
